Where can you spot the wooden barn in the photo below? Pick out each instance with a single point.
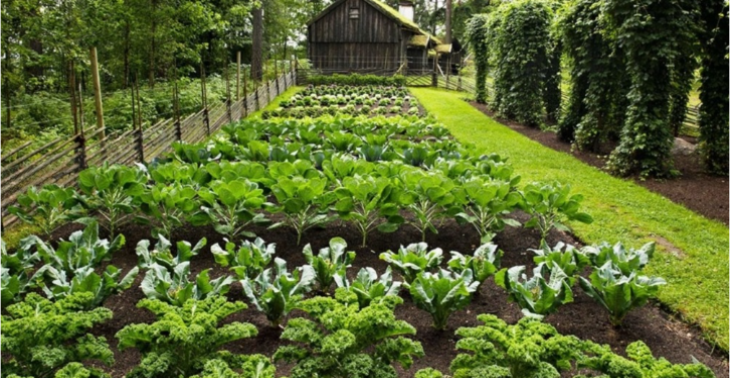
(368, 36)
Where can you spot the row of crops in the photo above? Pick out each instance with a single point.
(374, 174)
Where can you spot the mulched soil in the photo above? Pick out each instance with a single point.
(665, 335)
(695, 189)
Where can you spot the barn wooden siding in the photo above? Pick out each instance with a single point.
(372, 42)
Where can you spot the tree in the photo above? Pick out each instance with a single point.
(257, 50)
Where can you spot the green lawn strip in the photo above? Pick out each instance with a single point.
(693, 254)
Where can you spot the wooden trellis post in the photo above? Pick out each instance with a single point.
(238, 76)
(206, 120)
(140, 135)
(176, 108)
(81, 138)
(228, 93)
(245, 94)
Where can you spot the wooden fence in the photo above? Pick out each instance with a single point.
(60, 161)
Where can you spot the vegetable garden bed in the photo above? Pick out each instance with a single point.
(346, 201)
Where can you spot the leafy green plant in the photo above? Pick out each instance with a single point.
(482, 264)
(248, 260)
(230, 207)
(303, 202)
(110, 192)
(82, 249)
(549, 205)
(368, 287)
(487, 203)
(17, 269)
(366, 199)
(626, 260)
(168, 206)
(56, 283)
(250, 366)
(617, 292)
(275, 295)
(329, 262)
(428, 196)
(41, 337)
(441, 294)
(344, 340)
(185, 337)
(47, 208)
(529, 349)
(537, 297)
(566, 257)
(414, 259)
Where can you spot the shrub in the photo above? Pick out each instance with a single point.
(184, 338)
(343, 340)
(44, 337)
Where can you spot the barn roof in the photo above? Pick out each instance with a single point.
(390, 12)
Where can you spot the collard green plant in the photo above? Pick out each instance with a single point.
(329, 262)
(414, 259)
(168, 206)
(549, 205)
(487, 203)
(368, 287)
(277, 293)
(343, 340)
(82, 249)
(110, 192)
(428, 196)
(441, 294)
(183, 338)
(617, 292)
(57, 284)
(303, 202)
(626, 260)
(528, 349)
(483, 263)
(247, 260)
(364, 200)
(537, 297)
(17, 270)
(43, 337)
(47, 208)
(566, 257)
(231, 207)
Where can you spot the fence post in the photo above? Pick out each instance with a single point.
(228, 93)
(97, 94)
(245, 95)
(206, 121)
(140, 134)
(176, 105)
(268, 92)
(238, 76)
(276, 75)
(459, 83)
(256, 95)
(81, 138)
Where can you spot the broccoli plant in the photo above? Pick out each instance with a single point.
(47, 208)
(626, 260)
(275, 295)
(16, 271)
(56, 283)
(330, 261)
(617, 292)
(110, 192)
(248, 260)
(368, 287)
(413, 259)
(343, 340)
(487, 204)
(168, 206)
(82, 249)
(365, 200)
(167, 278)
(441, 294)
(184, 338)
(528, 349)
(549, 205)
(42, 337)
(428, 196)
(483, 264)
(537, 297)
(230, 207)
(566, 257)
(639, 362)
(303, 202)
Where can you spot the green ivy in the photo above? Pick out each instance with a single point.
(476, 34)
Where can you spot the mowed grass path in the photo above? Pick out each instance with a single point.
(692, 250)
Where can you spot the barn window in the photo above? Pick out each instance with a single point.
(354, 13)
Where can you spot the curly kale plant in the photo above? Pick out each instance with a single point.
(345, 341)
(184, 338)
(442, 293)
(483, 264)
(330, 261)
(413, 259)
(537, 297)
(48, 208)
(42, 337)
(368, 287)
(528, 349)
(251, 366)
(248, 260)
(275, 295)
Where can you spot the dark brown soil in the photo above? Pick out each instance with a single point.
(695, 189)
(666, 336)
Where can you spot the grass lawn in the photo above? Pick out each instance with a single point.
(693, 250)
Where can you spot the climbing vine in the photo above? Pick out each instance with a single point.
(523, 42)
(476, 33)
(654, 33)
